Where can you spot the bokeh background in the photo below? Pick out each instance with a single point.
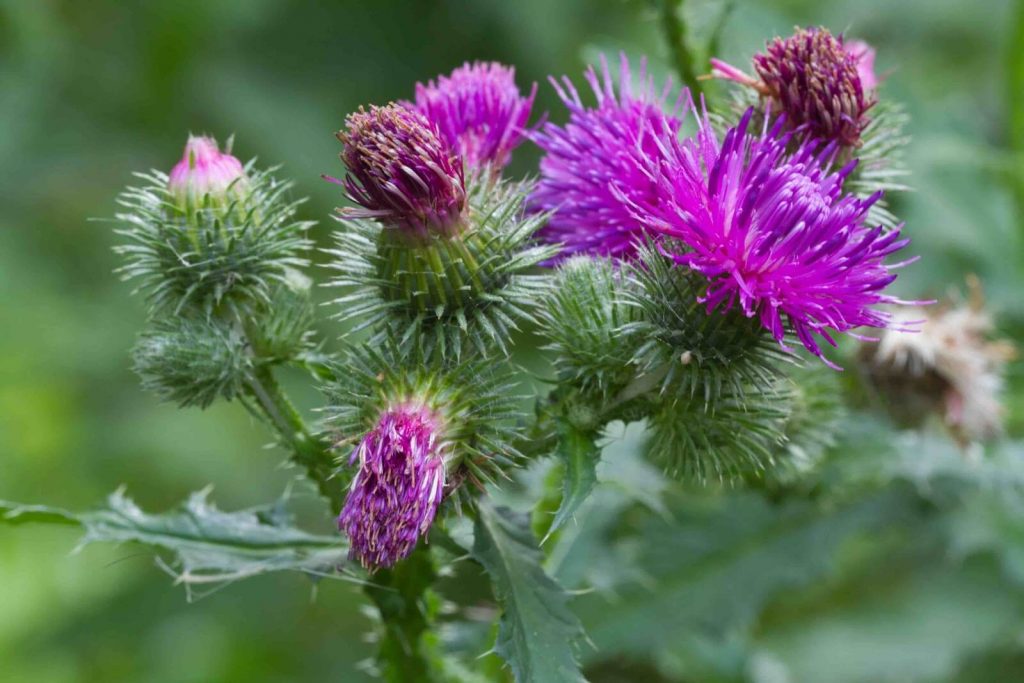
(92, 91)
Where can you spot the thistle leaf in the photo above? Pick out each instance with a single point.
(537, 632)
(579, 453)
(209, 546)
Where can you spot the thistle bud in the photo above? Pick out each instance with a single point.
(399, 485)
(479, 111)
(402, 173)
(205, 176)
(816, 81)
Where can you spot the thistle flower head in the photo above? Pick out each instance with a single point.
(401, 172)
(817, 83)
(204, 173)
(594, 149)
(479, 112)
(398, 487)
(820, 84)
(772, 232)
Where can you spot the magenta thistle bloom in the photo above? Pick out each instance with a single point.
(598, 146)
(773, 232)
(479, 111)
(398, 488)
(401, 172)
(816, 81)
(204, 171)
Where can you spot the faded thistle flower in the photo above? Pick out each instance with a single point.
(398, 487)
(205, 174)
(771, 230)
(478, 111)
(402, 173)
(822, 85)
(950, 366)
(594, 149)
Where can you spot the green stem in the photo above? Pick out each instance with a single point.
(307, 450)
(673, 25)
(407, 608)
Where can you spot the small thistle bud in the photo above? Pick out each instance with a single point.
(402, 173)
(816, 81)
(479, 112)
(398, 488)
(205, 176)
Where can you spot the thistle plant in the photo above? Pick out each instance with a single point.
(687, 267)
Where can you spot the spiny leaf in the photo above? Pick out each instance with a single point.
(209, 546)
(537, 632)
(579, 453)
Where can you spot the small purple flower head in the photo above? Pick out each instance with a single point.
(773, 231)
(401, 172)
(820, 84)
(398, 488)
(615, 141)
(479, 111)
(817, 83)
(204, 172)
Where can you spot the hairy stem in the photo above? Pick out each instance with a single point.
(308, 450)
(407, 606)
(673, 26)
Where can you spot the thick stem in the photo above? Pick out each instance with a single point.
(674, 28)
(407, 607)
(307, 450)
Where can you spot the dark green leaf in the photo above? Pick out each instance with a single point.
(537, 634)
(579, 453)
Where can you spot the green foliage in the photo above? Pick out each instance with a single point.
(538, 633)
(579, 455)
(192, 362)
(208, 547)
(452, 292)
(216, 256)
(282, 329)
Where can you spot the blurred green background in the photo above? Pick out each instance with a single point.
(92, 91)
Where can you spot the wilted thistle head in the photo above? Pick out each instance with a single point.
(594, 149)
(817, 81)
(479, 112)
(773, 232)
(205, 174)
(951, 366)
(399, 485)
(401, 172)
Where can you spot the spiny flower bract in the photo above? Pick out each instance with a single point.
(479, 112)
(594, 149)
(401, 172)
(772, 231)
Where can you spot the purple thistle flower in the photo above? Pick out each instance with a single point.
(204, 171)
(599, 146)
(816, 81)
(401, 172)
(479, 111)
(772, 231)
(398, 488)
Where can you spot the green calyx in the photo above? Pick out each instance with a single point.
(466, 290)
